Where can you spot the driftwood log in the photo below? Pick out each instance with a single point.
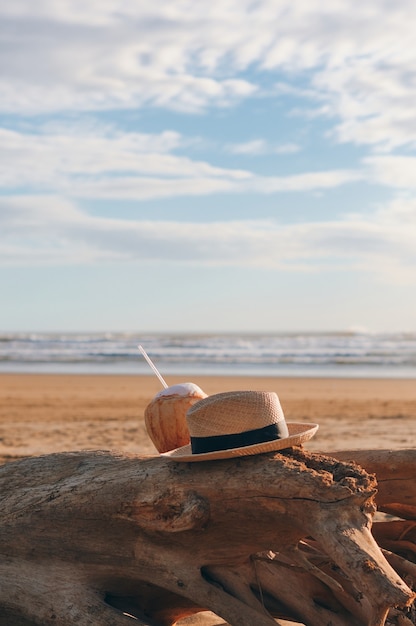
(95, 538)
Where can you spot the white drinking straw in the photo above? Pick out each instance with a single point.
(153, 366)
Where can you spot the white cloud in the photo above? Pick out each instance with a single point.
(358, 63)
(286, 148)
(109, 164)
(256, 146)
(400, 211)
(141, 188)
(55, 159)
(261, 146)
(307, 181)
(393, 171)
(109, 55)
(47, 230)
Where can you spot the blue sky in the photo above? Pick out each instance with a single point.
(231, 165)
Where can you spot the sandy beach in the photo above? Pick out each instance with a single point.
(40, 414)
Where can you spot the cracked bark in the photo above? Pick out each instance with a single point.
(95, 538)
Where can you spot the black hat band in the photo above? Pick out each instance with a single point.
(201, 445)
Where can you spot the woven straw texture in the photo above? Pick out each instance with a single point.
(298, 434)
(233, 412)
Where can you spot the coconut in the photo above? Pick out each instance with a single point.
(165, 415)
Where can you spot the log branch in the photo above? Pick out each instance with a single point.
(95, 538)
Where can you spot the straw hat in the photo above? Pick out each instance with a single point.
(238, 423)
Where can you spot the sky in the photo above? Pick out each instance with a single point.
(230, 165)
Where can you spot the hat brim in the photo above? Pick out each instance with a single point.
(298, 434)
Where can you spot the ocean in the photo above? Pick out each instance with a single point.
(338, 354)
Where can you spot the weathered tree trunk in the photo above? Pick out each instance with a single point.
(396, 477)
(99, 539)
